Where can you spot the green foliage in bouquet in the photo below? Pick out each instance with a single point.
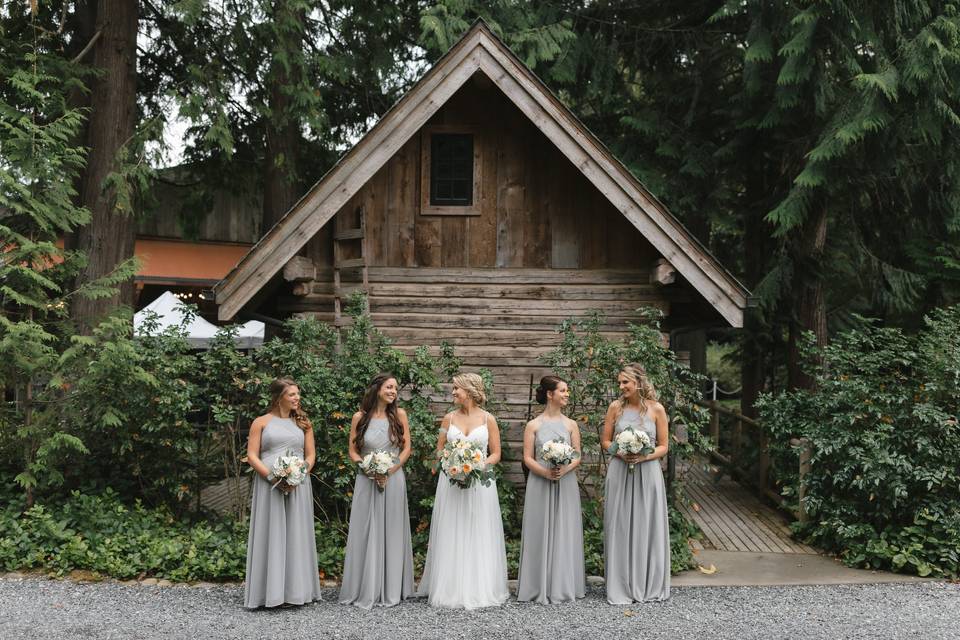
(884, 486)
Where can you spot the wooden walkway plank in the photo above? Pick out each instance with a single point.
(741, 518)
(746, 508)
(765, 517)
(717, 533)
(722, 515)
(733, 519)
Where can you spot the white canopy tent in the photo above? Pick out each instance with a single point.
(169, 310)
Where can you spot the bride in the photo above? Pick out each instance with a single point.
(466, 563)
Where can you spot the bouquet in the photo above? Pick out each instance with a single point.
(377, 463)
(464, 462)
(631, 441)
(289, 469)
(558, 453)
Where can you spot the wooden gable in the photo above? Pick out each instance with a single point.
(573, 207)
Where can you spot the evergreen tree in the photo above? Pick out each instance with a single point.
(39, 164)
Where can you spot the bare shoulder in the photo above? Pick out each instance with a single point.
(657, 409)
(612, 407)
(401, 413)
(571, 424)
(356, 417)
(533, 425)
(260, 422)
(491, 421)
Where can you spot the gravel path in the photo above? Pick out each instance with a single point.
(38, 608)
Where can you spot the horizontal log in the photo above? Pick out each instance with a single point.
(532, 321)
(555, 291)
(461, 276)
(348, 234)
(464, 337)
(351, 263)
(556, 308)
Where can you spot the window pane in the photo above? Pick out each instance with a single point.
(451, 169)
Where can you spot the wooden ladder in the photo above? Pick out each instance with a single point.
(348, 241)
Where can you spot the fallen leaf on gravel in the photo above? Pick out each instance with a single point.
(707, 570)
(629, 613)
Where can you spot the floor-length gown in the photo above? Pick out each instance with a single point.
(636, 533)
(281, 546)
(378, 565)
(466, 564)
(551, 548)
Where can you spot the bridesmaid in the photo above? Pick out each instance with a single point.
(378, 566)
(551, 547)
(636, 536)
(282, 546)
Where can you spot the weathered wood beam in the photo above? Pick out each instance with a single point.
(299, 269)
(663, 273)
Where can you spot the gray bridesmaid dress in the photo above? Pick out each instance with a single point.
(378, 565)
(281, 546)
(636, 533)
(551, 547)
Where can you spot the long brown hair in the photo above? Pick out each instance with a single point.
(369, 403)
(635, 371)
(277, 388)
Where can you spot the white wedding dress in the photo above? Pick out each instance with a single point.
(466, 565)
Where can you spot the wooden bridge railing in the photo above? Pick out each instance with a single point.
(757, 475)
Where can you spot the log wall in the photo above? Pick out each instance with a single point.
(500, 319)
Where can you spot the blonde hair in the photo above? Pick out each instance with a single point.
(635, 371)
(473, 385)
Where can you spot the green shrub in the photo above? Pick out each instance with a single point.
(884, 487)
(590, 361)
(102, 534)
(136, 404)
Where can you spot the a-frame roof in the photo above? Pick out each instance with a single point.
(481, 50)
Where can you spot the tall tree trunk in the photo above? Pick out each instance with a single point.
(756, 248)
(108, 239)
(281, 185)
(810, 307)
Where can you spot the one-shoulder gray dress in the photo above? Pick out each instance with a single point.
(282, 545)
(551, 547)
(636, 533)
(378, 565)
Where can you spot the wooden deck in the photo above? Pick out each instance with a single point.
(225, 496)
(733, 519)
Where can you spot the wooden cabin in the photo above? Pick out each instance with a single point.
(481, 212)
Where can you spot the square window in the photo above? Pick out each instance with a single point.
(451, 169)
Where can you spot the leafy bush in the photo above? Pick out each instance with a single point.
(137, 404)
(104, 535)
(884, 487)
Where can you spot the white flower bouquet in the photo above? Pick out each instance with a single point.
(631, 441)
(558, 452)
(377, 463)
(464, 463)
(288, 469)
